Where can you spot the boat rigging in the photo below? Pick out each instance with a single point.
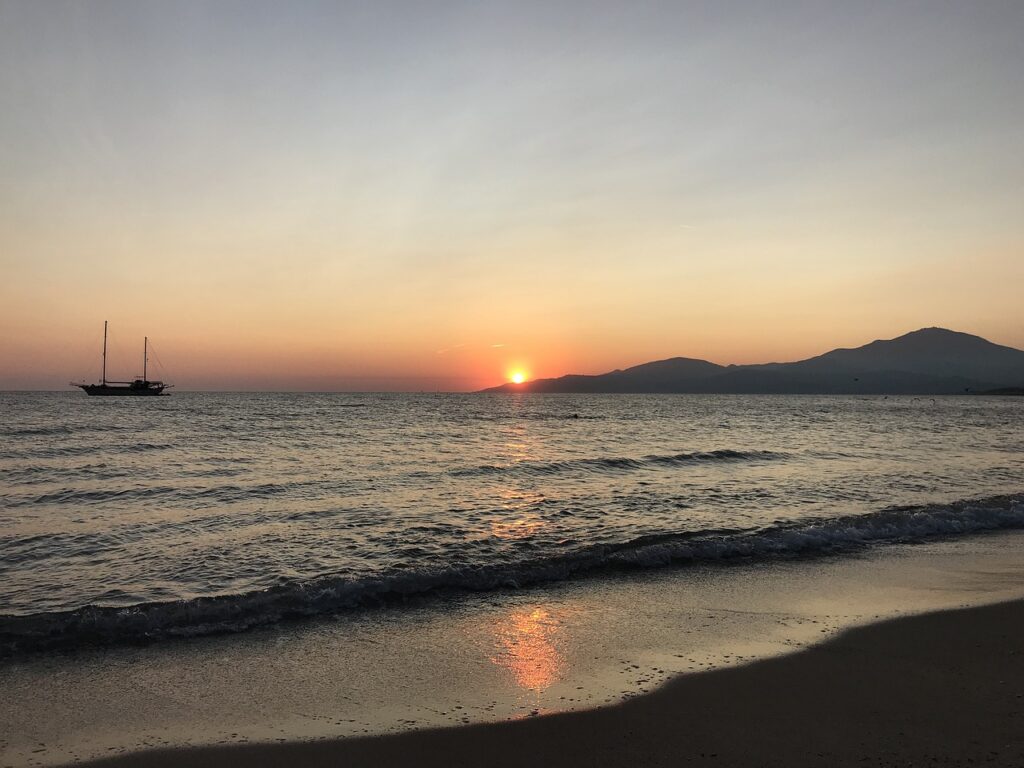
(139, 386)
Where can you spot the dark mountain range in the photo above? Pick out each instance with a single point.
(931, 361)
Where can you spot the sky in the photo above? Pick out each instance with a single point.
(423, 196)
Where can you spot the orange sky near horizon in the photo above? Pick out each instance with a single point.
(364, 197)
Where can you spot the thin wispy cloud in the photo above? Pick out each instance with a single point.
(446, 350)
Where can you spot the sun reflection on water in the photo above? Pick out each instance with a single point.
(518, 522)
(519, 445)
(526, 648)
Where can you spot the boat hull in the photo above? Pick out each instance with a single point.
(139, 386)
(130, 390)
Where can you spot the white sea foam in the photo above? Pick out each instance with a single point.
(93, 625)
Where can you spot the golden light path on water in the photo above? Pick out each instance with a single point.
(518, 523)
(526, 647)
(525, 639)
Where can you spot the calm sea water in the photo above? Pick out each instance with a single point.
(128, 519)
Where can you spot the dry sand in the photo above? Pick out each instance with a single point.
(934, 690)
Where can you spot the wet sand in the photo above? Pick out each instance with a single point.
(938, 689)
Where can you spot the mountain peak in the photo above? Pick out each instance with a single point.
(926, 361)
(935, 332)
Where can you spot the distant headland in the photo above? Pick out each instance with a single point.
(930, 361)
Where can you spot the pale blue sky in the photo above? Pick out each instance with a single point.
(342, 189)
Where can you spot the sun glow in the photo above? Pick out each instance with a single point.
(527, 646)
(518, 377)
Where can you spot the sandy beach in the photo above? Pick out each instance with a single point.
(943, 688)
(747, 663)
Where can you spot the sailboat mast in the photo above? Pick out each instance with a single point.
(145, 356)
(104, 352)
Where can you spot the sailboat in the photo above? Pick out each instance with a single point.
(135, 387)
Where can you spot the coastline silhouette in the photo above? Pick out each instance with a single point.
(930, 361)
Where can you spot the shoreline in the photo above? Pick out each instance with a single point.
(941, 688)
(572, 647)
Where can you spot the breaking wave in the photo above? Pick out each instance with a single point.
(100, 625)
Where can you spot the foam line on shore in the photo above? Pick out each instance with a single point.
(111, 625)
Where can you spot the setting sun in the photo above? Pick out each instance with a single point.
(518, 377)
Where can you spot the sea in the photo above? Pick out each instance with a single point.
(149, 520)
